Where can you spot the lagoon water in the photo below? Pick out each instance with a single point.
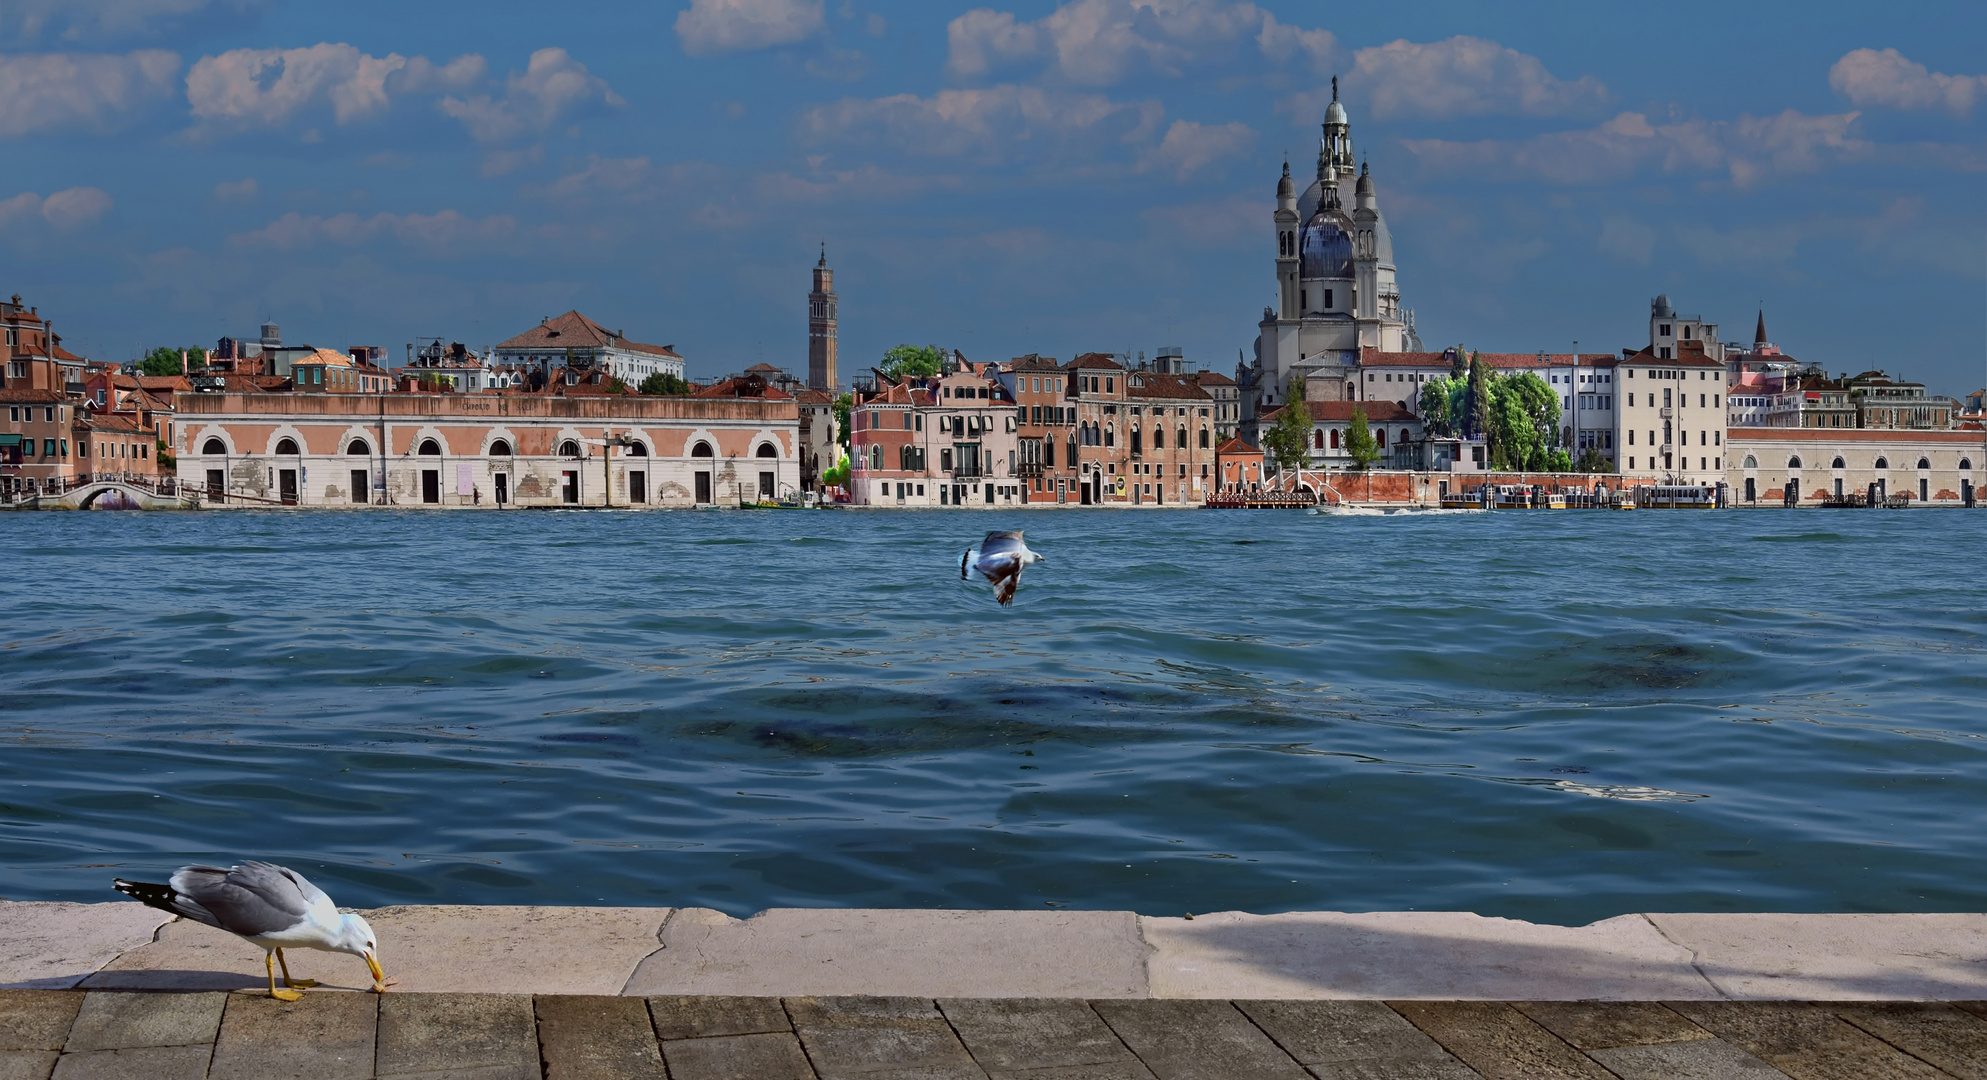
(1557, 716)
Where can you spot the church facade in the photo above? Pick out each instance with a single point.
(1336, 289)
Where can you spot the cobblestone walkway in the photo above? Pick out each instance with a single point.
(71, 1035)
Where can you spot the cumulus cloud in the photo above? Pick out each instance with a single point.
(1100, 42)
(245, 88)
(443, 235)
(552, 85)
(1189, 147)
(1466, 76)
(1868, 77)
(1750, 150)
(54, 91)
(244, 190)
(69, 208)
(992, 123)
(714, 26)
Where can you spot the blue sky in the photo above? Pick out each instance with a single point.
(1022, 177)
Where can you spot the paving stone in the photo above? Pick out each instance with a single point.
(322, 1037)
(1014, 1034)
(1499, 1041)
(1197, 1040)
(460, 1036)
(36, 1019)
(53, 946)
(1952, 1039)
(1591, 1025)
(876, 1037)
(1804, 1040)
(140, 1063)
(26, 1064)
(697, 1017)
(1346, 1033)
(113, 1021)
(584, 1037)
(1126, 1070)
(772, 1056)
(1697, 1059)
(1977, 1008)
(1780, 956)
(1396, 1070)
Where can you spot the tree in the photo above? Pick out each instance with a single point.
(164, 360)
(1557, 460)
(1359, 444)
(663, 384)
(912, 361)
(1288, 441)
(837, 474)
(1593, 461)
(844, 407)
(1438, 405)
(1478, 426)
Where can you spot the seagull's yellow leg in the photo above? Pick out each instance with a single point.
(287, 981)
(269, 961)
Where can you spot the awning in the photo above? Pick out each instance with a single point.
(9, 439)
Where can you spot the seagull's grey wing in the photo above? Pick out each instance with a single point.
(251, 899)
(1002, 543)
(1012, 534)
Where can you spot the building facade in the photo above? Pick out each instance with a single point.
(822, 321)
(576, 342)
(1819, 466)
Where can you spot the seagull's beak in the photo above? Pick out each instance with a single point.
(379, 977)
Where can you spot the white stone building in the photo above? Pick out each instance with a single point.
(574, 341)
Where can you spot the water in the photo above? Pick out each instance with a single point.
(1555, 716)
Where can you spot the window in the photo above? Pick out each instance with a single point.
(569, 448)
(1795, 462)
(500, 448)
(214, 447)
(766, 450)
(286, 447)
(1924, 464)
(1883, 463)
(431, 448)
(702, 449)
(359, 448)
(1203, 438)
(636, 449)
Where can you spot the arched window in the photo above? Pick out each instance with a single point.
(766, 450)
(1966, 463)
(1137, 444)
(1317, 439)
(1334, 438)
(1836, 464)
(1072, 448)
(1380, 438)
(1110, 434)
(430, 448)
(1883, 463)
(1158, 437)
(569, 448)
(1203, 438)
(637, 449)
(1924, 463)
(286, 446)
(500, 448)
(702, 449)
(1180, 436)
(1751, 462)
(1405, 437)
(1794, 462)
(215, 448)
(875, 455)
(359, 448)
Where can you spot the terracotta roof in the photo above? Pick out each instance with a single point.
(815, 397)
(1095, 360)
(1149, 384)
(574, 330)
(1686, 358)
(38, 397)
(727, 388)
(171, 384)
(1379, 412)
(1235, 445)
(107, 422)
(1034, 362)
(1213, 378)
(1371, 357)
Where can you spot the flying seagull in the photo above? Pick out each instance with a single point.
(272, 906)
(1000, 559)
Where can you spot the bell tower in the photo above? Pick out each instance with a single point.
(821, 327)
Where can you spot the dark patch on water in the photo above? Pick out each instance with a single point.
(1803, 538)
(609, 738)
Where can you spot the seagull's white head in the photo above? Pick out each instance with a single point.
(355, 936)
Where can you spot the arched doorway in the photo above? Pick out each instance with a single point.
(217, 476)
(360, 474)
(768, 473)
(702, 477)
(287, 472)
(431, 478)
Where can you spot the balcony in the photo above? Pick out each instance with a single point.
(1028, 470)
(1666, 412)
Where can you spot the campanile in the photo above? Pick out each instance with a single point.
(821, 327)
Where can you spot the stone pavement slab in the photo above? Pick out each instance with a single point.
(1952, 1039)
(1015, 1034)
(436, 949)
(1704, 1059)
(54, 946)
(1398, 955)
(596, 1038)
(458, 1036)
(825, 952)
(1500, 1042)
(1197, 1040)
(894, 1037)
(26, 1064)
(678, 1017)
(36, 1019)
(1940, 957)
(322, 1037)
(141, 1063)
(114, 1021)
(1594, 1025)
(773, 1056)
(1352, 1038)
(1804, 1040)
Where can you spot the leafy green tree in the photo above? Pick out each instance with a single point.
(1478, 397)
(912, 361)
(1359, 442)
(837, 474)
(1593, 461)
(1440, 400)
(1288, 441)
(1460, 369)
(164, 360)
(1557, 460)
(663, 384)
(844, 407)
(1527, 419)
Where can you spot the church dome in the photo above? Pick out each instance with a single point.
(1335, 113)
(1326, 244)
(1284, 188)
(1365, 182)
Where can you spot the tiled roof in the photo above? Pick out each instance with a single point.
(1213, 378)
(1685, 358)
(1148, 384)
(727, 388)
(37, 397)
(575, 331)
(1235, 445)
(1095, 360)
(1034, 362)
(1371, 357)
(1379, 412)
(814, 397)
(106, 422)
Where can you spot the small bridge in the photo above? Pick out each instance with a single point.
(111, 495)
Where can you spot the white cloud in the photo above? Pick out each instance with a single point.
(245, 190)
(245, 88)
(53, 91)
(67, 209)
(713, 26)
(994, 123)
(1100, 42)
(442, 235)
(1751, 150)
(551, 85)
(1189, 147)
(602, 176)
(1868, 77)
(1466, 76)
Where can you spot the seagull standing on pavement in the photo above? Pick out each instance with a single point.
(1000, 559)
(272, 906)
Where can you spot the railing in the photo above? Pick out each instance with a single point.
(1029, 469)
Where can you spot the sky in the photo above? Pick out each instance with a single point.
(1057, 178)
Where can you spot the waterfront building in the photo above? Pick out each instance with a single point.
(890, 451)
(1670, 420)
(1238, 466)
(1670, 332)
(577, 445)
(1097, 386)
(822, 323)
(1884, 402)
(30, 338)
(1784, 466)
(146, 400)
(1227, 399)
(1169, 430)
(1336, 280)
(576, 342)
(1047, 427)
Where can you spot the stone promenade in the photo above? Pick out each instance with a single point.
(129, 1035)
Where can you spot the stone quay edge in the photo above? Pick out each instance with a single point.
(1074, 954)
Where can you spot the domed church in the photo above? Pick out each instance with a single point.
(1335, 282)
